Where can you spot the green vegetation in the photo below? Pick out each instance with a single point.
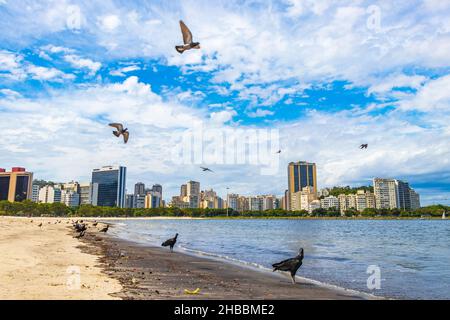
(335, 191)
(28, 208)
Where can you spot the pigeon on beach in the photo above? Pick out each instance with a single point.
(187, 39)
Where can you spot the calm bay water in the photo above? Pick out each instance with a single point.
(413, 255)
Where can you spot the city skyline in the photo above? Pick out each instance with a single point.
(107, 188)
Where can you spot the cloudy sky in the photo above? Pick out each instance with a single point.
(324, 75)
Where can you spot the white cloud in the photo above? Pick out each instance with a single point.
(260, 113)
(83, 63)
(109, 22)
(14, 66)
(432, 96)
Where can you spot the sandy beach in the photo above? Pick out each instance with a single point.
(48, 263)
(36, 260)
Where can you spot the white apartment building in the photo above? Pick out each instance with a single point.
(49, 194)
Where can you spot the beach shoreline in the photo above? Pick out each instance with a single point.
(149, 272)
(113, 268)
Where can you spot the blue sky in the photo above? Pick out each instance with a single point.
(326, 75)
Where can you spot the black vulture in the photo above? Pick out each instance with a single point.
(79, 227)
(40, 224)
(170, 243)
(290, 265)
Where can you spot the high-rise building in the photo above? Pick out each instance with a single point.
(393, 194)
(129, 201)
(15, 185)
(300, 200)
(385, 193)
(139, 189)
(50, 194)
(183, 190)
(193, 194)
(403, 195)
(35, 193)
(70, 198)
(157, 188)
(415, 200)
(300, 175)
(85, 193)
(152, 200)
(347, 202)
(232, 201)
(111, 181)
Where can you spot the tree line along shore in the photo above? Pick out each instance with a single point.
(32, 209)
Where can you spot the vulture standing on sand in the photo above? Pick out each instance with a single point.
(290, 265)
(80, 227)
(170, 243)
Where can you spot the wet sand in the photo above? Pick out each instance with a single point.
(155, 273)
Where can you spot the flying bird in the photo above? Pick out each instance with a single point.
(279, 151)
(187, 39)
(206, 169)
(120, 131)
(364, 146)
(170, 243)
(290, 265)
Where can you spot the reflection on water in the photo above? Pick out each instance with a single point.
(414, 255)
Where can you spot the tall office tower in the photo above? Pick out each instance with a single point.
(403, 195)
(50, 194)
(70, 198)
(157, 188)
(300, 175)
(85, 193)
(15, 185)
(111, 181)
(139, 189)
(385, 193)
(415, 200)
(193, 194)
(35, 193)
(183, 190)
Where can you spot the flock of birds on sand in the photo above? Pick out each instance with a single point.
(289, 265)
